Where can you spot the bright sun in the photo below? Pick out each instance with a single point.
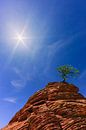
(20, 39)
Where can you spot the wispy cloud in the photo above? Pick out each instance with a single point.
(44, 56)
(23, 78)
(83, 75)
(19, 84)
(10, 99)
(58, 46)
(55, 49)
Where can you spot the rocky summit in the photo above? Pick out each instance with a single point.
(58, 106)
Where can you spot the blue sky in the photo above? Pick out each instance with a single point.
(55, 33)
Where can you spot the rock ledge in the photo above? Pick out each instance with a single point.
(58, 106)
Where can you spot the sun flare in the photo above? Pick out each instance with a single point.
(20, 38)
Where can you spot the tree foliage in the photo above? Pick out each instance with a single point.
(67, 71)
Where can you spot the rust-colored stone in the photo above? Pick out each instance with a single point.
(58, 106)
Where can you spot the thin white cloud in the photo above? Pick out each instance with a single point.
(83, 74)
(52, 49)
(21, 82)
(58, 45)
(10, 99)
(45, 56)
(18, 72)
(18, 84)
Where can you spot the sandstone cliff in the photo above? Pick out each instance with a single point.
(58, 106)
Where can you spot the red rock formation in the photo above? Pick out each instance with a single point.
(58, 106)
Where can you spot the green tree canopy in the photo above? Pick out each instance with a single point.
(67, 71)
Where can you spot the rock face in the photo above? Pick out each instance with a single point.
(58, 106)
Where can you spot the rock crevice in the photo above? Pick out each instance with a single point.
(59, 106)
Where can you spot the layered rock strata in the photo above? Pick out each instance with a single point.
(59, 106)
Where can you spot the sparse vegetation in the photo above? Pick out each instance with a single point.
(67, 71)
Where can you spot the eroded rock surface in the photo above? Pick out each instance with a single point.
(58, 106)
